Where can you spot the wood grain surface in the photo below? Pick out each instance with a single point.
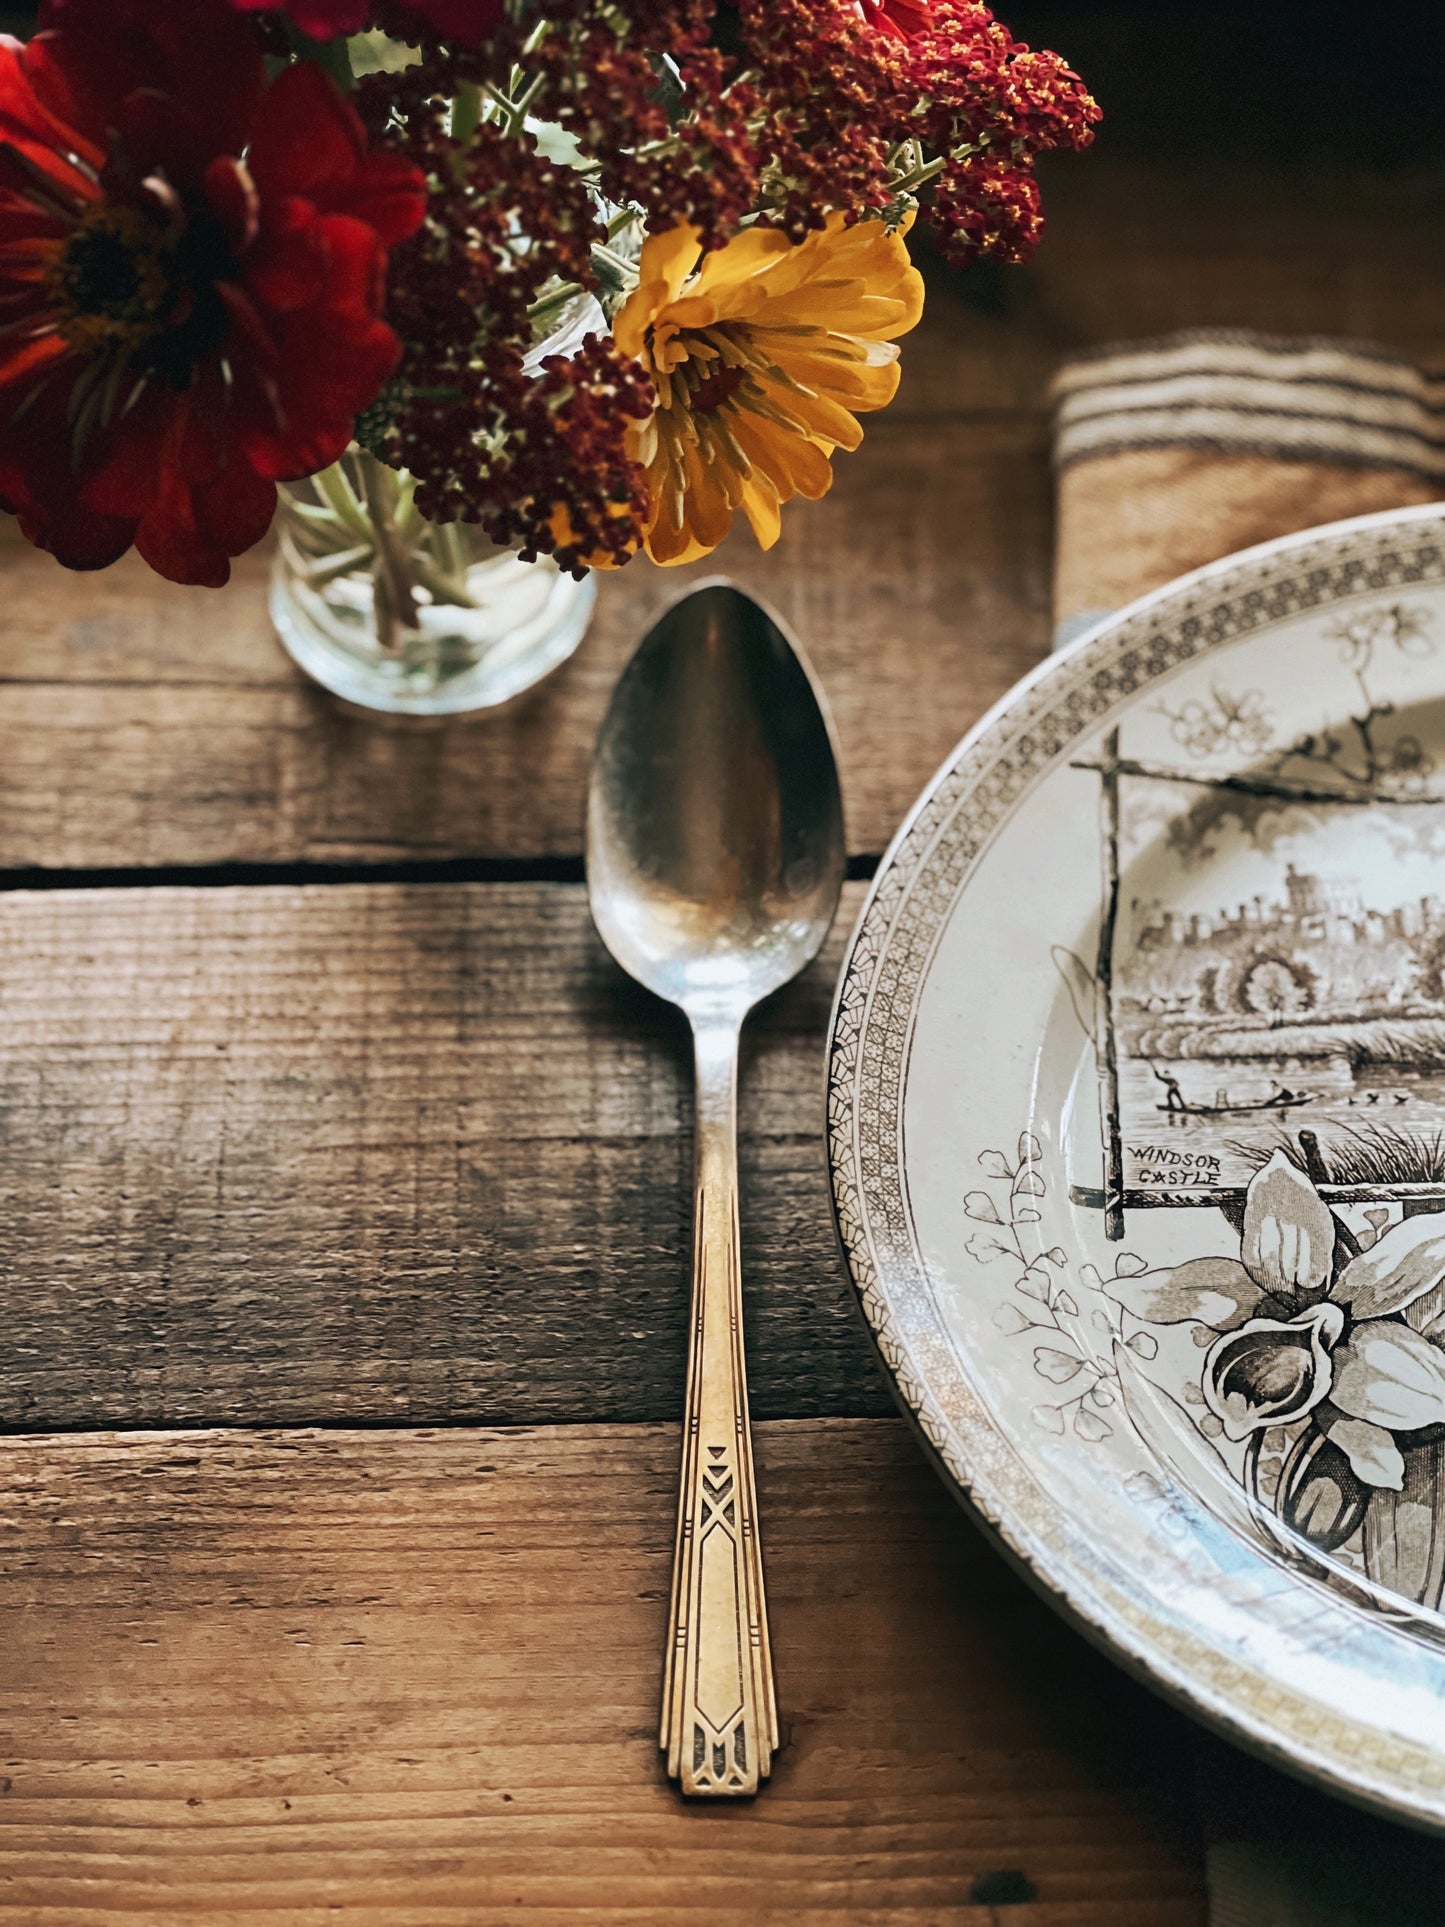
(147, 725)
(383, 1154)
(410, 1680)
(410, 1155)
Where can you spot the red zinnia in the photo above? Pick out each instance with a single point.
(191, 279)
(320, 18)
(466, 22)
(902, 18)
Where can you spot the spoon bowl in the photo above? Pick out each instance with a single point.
(715, 848)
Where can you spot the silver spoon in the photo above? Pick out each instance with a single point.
(715, 856)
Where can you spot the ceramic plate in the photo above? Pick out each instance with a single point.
(1137, 1128)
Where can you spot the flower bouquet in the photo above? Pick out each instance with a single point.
(475, 284)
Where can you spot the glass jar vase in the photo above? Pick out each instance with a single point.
(396, 613)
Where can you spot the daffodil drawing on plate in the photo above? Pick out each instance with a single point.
(1318, 1361)
(1327, 1363)
(1137, 1132)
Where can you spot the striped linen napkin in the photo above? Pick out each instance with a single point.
(1169, 454)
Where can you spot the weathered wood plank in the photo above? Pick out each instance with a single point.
(410, 1680)
(382, 1154)
(144, 724)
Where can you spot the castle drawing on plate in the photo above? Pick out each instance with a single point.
(1271, 950)
(1266, 1008)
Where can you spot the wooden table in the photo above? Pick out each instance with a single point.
(345, 1201)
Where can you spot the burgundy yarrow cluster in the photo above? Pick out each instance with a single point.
(942, 73)
(659, 108)
(535, 453)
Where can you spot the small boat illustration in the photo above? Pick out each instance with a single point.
(1223, 1107)
(1281, 1098)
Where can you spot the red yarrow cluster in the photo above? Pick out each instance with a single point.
(490, 438)
(838, 98)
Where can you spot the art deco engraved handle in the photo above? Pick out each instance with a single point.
(719, 1713)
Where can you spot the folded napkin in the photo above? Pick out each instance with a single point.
(1169, 454)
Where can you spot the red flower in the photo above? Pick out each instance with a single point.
(902, 18)
(180, 327)
(467, 23)
(464, 23)
(322, 19)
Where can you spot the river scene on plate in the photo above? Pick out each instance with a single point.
(1281, 956)
(1301, 1005)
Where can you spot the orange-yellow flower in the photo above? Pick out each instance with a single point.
(763, 352)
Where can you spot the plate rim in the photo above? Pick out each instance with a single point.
(1404, 1802)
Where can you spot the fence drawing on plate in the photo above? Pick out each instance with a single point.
(1277, 1057)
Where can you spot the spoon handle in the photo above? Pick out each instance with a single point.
(719, 1713)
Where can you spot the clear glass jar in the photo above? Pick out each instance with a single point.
(413, 617)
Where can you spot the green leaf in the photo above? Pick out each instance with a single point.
(443, 588)
(328, 568)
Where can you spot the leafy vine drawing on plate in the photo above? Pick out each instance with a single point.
(1062, 1356)
(1224, 722)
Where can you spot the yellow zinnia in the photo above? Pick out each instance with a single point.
(763, 353)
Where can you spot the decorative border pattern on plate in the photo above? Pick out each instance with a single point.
(877, 1000)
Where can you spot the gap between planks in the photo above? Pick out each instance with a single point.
(232, 876)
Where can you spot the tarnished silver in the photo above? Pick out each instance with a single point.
(715, 855)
